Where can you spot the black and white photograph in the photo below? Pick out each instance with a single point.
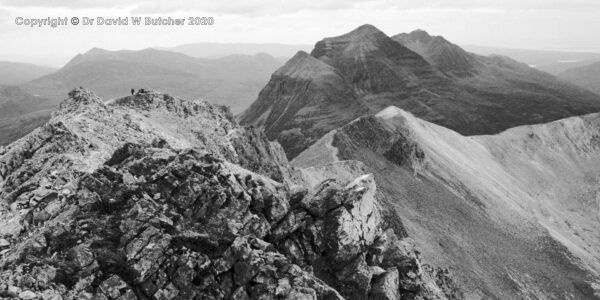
(318, 150)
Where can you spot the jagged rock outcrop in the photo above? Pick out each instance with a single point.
(93, 206)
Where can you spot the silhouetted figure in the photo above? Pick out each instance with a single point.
(132, 91)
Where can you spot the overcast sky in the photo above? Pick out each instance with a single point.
(533, 24)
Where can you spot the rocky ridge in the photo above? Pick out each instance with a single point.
(125, 200)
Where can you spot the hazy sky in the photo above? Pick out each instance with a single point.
(535, 24)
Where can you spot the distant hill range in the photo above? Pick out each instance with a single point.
(233, 80)
(549, 61)
(215, 50)
(365, 71)
(17, 73)
(587, 76)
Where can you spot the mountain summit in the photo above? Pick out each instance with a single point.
(372, 61)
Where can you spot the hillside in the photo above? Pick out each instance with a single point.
(587, 76)
(153, 197)
(17, 118)
(16, 73)
(513, 215)
(441, 83)
(550, 61)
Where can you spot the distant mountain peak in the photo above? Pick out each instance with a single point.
(438, 51)
(365, 30)
(95, 51)
(421, 34)
(303, 65)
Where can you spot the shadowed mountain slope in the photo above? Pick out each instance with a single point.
(308, 92)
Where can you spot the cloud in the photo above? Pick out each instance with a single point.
(267, 7)
(161, 6)
(245, 7)
(63, 3)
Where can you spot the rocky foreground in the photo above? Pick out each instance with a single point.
(154, 197)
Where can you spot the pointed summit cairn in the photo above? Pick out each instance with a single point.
(80, 98)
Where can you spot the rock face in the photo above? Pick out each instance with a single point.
(498, 210)
(94, 206)
(364, 71)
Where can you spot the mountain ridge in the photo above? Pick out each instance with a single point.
(483, 95)
(154, 196)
